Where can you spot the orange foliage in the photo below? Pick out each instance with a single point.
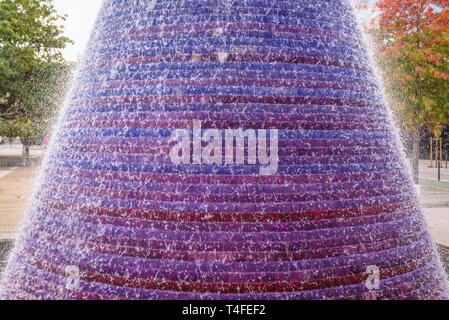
(413, 39)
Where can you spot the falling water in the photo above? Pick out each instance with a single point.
(157, 186)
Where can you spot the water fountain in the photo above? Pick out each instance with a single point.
(138, 202)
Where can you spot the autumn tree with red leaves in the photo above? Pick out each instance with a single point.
(413, 41)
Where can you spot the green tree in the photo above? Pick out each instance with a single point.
(413, 43)
(33, 73)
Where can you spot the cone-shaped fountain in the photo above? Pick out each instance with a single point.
(225, 150)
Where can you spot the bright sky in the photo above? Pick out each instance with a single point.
(81, 15)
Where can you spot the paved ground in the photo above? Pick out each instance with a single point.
(16, 187)
(434, 197)
(5, 173)
(426, 173)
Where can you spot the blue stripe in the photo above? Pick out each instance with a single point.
(227, 169)
(215, 90)
(197, 107)
(108, 74)
(233, 66)
(283, 134)
(135, 46)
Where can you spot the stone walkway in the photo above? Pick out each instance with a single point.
(16, 188)
(434, 197)
(431, 174)
(6, 172)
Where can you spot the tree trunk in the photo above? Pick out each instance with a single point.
(415, 156)
(26, 150)
(26, 147)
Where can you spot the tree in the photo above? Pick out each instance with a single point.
(33, 73)
(413, 41)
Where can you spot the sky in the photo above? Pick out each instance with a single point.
(81, 15)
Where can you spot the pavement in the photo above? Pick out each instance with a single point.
(431, 174)
(434, 197)
(5, 173)
(16, 188)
